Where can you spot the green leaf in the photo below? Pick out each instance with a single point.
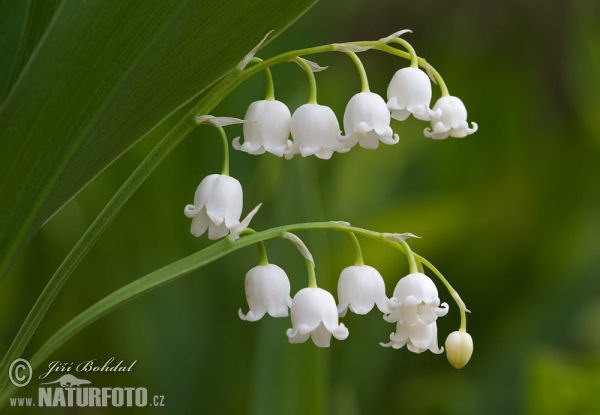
(103, 75)
(13, 18)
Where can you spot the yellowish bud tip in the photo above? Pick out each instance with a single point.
(459, 348)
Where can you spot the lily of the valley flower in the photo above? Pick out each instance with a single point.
(217, 206)
(415, 307)
(269, 130)
(417, 338)
(267, 291)
(366, 121)
(316, 131)
(360, 287)
(314, 315)
(452, 122)
(409, 92)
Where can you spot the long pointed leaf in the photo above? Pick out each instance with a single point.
(104, 74)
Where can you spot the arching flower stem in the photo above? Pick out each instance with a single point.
(262, 254)
(414, 59)
(225, 168)
(312, 278)
(311, 80)
(453, 292)
(270, 94)
(364, 82)
(358, 258)
(412, 264)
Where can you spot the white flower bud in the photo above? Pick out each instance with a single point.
(459, 348)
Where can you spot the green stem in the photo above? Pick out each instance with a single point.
(262, 254)
(358, 258)
(463, 320)
(364, 82)
(270, 95)
(312, 99)
(412, 264)
(414, 59)
(174, 137)
(225, 168)
(453, 292)
(178, 269)
(312, 279)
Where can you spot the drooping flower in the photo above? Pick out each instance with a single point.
(269, 130)
(360, 287)
(459, 348)
(452, 122)
(217, 206)
(409, 92)
(267, 291)
(366, 121)
(417, 338)
(315, 130)
(314, 315)
(415, 307)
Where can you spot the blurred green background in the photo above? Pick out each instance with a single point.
(510, 215)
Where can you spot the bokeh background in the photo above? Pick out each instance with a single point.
(510, 215)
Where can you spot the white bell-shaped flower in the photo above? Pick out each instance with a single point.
(409, 92)
(417, 338)
(217, 206)
(366, 121)
(267, 291)
(314, 315)
(452, 121)
(415, 301)
(360, 287)
(269, 130)
(316, 131)
(415, 308)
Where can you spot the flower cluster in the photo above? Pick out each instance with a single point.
(218, 202)
(414, 307)
(315, 129)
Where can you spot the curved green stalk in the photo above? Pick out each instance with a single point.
(358, 258)
(312, 99)
(270, 94)
(225, 168)
(453, 292)
(414, 59)
(312, 278)
(412, 264)
(262, 254)
(364, 81)
(185, 126)
(178, 269)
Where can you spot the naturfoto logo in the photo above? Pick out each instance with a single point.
(70, 391)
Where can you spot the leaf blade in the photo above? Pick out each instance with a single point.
(140, 62)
